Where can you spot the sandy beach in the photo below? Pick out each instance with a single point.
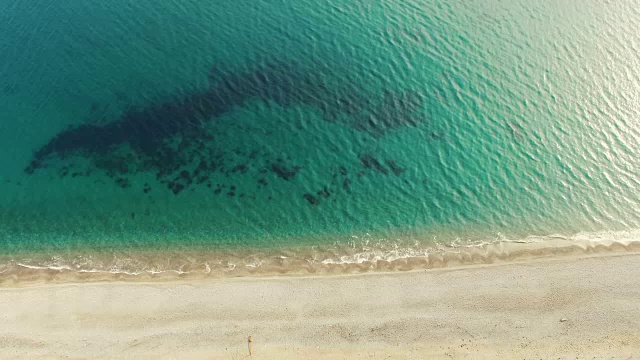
(565, 307)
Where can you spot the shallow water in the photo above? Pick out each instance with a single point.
(232, 125)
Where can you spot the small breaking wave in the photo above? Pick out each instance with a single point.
(359, 255)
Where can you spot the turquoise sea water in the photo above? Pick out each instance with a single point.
(211, 125)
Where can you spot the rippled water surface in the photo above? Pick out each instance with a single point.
(206, 126)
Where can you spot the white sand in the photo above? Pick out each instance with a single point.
(497, 311)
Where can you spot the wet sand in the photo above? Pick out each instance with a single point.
(569, 306)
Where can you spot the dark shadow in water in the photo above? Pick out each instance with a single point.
(394, 111)
(169, 137)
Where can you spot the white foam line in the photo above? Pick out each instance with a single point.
(97, 271)
(389, 252)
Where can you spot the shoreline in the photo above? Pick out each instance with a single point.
(295, 262)
(576, 305)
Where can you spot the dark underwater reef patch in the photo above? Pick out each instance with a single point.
(368, 161)
(172, 137)
(394, 110)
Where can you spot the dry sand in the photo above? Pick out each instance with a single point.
(570, 307)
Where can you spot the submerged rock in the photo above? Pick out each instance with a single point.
(311, 199)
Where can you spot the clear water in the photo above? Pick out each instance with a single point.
(208, 125)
